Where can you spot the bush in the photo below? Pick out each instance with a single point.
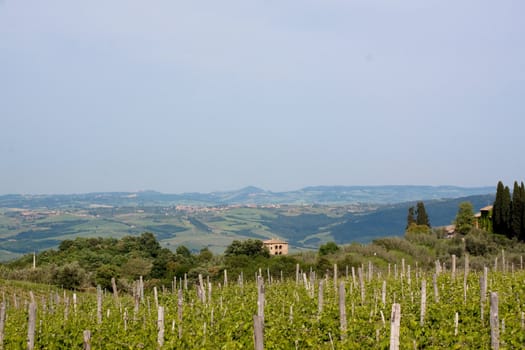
(104, 274)
(476, 246)
(328, 248)
(71, 276)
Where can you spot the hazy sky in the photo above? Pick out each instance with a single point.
(180, 96)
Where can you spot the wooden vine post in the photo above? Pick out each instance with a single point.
(320, 299)
(465, 279)
(456, 324)
(31, 326)
(258, 337)
(453, 272)
(342, 310)
(179, 311)
(260, 298)
(2, 324)
(482, 293)
(201, 290)
(114, 287)
(87, 339)
(436, 290)
(160, 326)
(383, 293)
(335, 277)
(361, 284)
(99, 304)
(494, 321)
(423, 302)
(395, 323)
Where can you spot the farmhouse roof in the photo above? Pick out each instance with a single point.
(274, 241)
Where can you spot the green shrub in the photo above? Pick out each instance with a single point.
(71, 276)
(328, 248)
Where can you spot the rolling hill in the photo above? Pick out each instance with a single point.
(342, 214)
(327, 195)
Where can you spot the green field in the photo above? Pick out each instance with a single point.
(215, 228)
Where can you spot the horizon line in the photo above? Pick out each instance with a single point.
(234, 190)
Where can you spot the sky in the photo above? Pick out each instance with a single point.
(199, 96)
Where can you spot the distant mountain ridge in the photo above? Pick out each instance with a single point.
(326, 195)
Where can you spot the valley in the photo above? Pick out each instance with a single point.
(37, 223)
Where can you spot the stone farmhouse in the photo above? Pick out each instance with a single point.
(276, 246)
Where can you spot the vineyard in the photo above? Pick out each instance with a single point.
(348, 308)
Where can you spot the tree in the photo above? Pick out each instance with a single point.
(249, 247)
(149, 244)
(464, 218)
(421, 215)
(136, 267)
(183, 251)
(517, 210)
(507, 212)
(501, 212)
(104, 274)
(205, 255)
(497, 217)
(328, 248)
(159, 268)
(70, 276)
(410, 217)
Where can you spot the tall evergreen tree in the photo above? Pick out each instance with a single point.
(421, 215)
(501, 210)
(516, 211)
(411, 217)
(507, 212)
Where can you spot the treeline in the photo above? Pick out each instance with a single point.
(87, 262)
(84, 263)
(508, 212)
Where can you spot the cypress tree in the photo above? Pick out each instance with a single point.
(421, 215)
(506, 211)
(497, 211)
(516, 211)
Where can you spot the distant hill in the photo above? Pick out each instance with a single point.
(250, 195)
